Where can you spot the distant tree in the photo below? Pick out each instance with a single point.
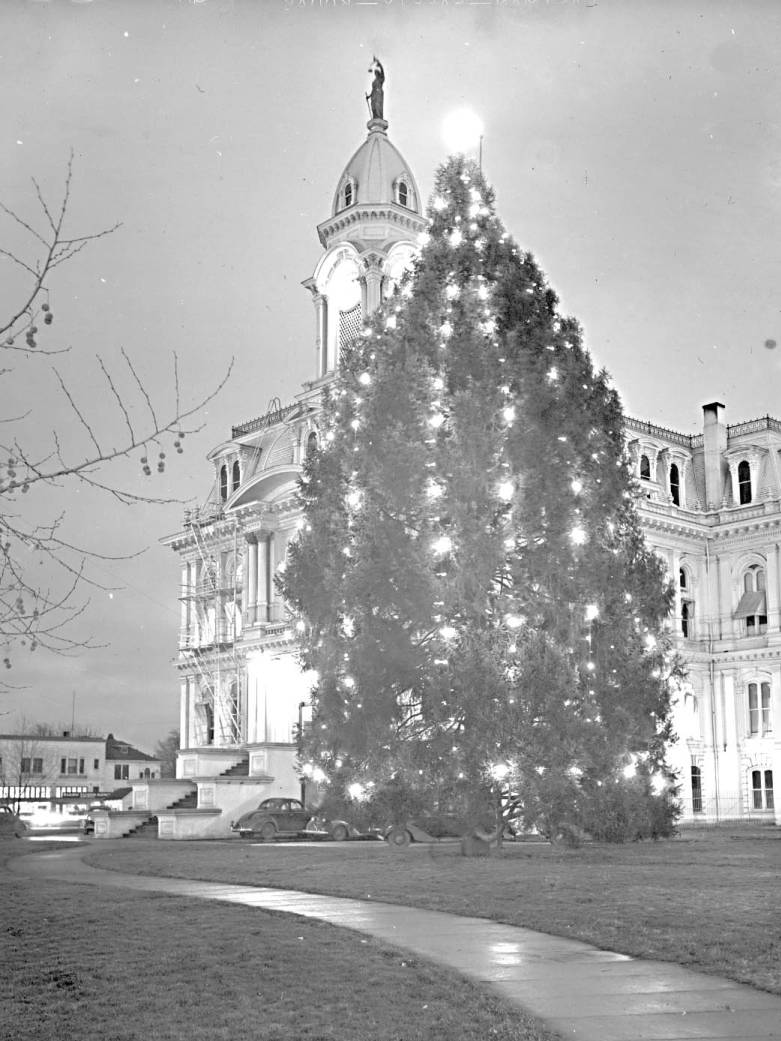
(485, 621)
(64, 729)
(124, 422)
(165, 751)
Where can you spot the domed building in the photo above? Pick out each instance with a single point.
(710, 505)
(243, 698)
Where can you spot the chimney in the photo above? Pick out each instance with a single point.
(714, 438)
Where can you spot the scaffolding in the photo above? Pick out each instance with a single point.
(208, 646)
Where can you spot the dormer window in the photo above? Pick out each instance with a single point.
(348, 194)
(403, 194)
(223, 482)
(744, 483)
(675, 485)
(236, 476)
(645, 468)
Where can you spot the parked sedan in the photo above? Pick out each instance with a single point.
(289, 818)
(274, 817)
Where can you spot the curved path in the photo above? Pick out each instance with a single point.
(579, 991)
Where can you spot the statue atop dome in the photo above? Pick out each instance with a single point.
(375, 99)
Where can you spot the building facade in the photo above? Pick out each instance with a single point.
(710, 505)
(67, 767)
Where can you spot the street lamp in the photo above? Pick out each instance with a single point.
(300, 747)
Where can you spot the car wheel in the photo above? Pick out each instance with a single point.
(268, 831)
(399, 836)
(339, 832)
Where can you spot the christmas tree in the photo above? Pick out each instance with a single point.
(472, 588)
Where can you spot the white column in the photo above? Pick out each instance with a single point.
(321, 334)
(252, 582)
(773, 592)
(727, 625)
(184, 611)
(184, 713)
(373, 279)
(675, 564)
(266, 578)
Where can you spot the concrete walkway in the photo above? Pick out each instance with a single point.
(579, 991)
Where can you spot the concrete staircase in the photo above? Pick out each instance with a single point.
(238, 770)
(147, 829)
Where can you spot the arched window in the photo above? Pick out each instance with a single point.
(753, 602)
(223, 482)
(687, 603)
(744, 483)
(311, 443)
(348, 194)
(762, 789)
(675, 485)
(760, 720)
(236, 476)
(686, 618)
(645, 468)
(402, 193)
(696, 779)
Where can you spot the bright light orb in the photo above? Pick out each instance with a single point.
(462, 130)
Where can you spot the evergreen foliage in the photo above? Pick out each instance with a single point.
(473, 589)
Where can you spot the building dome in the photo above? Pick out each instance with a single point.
(376, 174)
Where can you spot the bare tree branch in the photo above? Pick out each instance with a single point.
(33, 614)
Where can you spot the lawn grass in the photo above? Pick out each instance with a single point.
(710, 900)
(77, 961)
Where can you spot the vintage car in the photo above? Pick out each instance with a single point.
(278, 818)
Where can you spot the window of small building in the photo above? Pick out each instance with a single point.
(744, 483)
(696, 783)
(645, 468)
(223, 482)
(96, 764)
(311, 443)
(762, 789)
(675, 485)
(683, 578)
(760, 720)
(236, 476)
(121, 772)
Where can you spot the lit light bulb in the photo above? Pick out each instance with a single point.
(578, 535)
(442, 545)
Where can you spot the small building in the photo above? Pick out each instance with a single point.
(68, 769)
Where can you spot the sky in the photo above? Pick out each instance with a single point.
(634, 148)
